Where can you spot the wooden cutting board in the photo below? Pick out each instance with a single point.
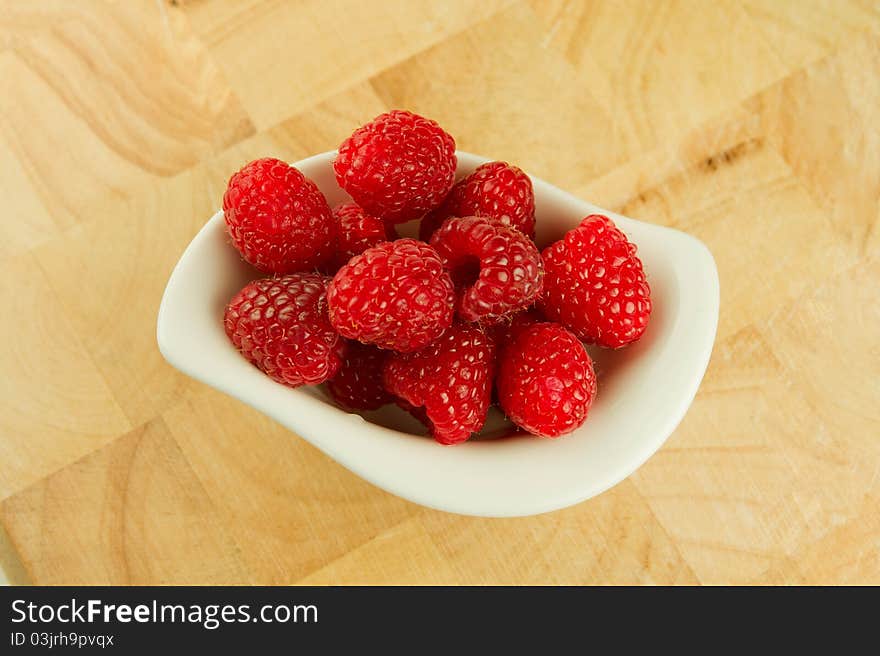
(752, 125)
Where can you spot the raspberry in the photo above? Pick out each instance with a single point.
(278, 219)
(281, 326)
(495, 189)
(395, 295)
(595, 284)
(545, 380)
(358, 384)
(451, 379)
(398, 166)
(357, 232)
(497, 269)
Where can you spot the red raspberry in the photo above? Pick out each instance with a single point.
(398, 166)
(358, 384)
(545, 380)
(395, 295)
(495, 189)
(451, 379)
(595, 284)
(278, 219)
(497, 269)
(281, 325)
(357, 231)
(504, 332)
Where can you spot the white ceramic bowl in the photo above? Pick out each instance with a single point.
(644, 390)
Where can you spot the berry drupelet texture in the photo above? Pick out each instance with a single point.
(281, 326)
(358, 383)
(447, 384)
(396, 295)
(546, 383)
(595, 285)
(497, 269)
(357, 231)
(278, 219)
(496, 190)
(398, 166)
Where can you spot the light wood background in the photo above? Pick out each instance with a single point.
(752, 125)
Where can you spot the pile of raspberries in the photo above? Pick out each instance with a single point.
(470, 314)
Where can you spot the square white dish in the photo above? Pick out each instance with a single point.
(643, 391)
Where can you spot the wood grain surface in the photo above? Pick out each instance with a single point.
(754, 125)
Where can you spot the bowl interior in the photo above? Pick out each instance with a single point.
(643, 390)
